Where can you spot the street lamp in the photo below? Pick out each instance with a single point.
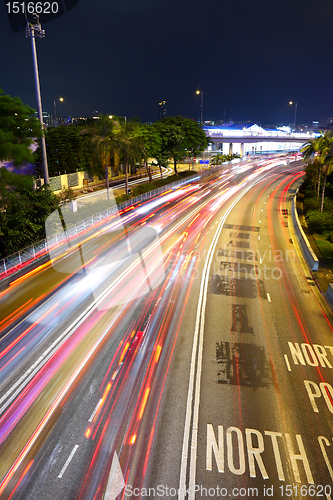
(34, 29)
(291, 103)
(200, 92)
(60, 99)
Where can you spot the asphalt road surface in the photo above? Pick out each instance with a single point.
(197, 367)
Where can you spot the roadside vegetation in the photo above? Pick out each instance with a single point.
(97, 146)
(221, 158)
(318, 192)
(120, 145)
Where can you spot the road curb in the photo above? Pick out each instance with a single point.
(329, 296)
(305, 246)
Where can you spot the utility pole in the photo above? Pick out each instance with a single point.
(34, 29)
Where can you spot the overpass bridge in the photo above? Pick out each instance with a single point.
(247, 139)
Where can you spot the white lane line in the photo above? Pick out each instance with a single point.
(269, 297)
(287, 362)
(260, 222)
(68, 461)
(95, 410)
(258, 237)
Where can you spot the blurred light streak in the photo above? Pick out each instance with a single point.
(169, 235)
(190, 224)
(157, 353)
(31, 273)
(57, 402)
(123, 353)
(143, 404)
(21, 478)
(133, 439)
(17, 312)
(197, 237)
(153, 204)
(166, 371)
(10, 346)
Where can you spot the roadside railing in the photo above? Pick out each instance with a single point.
(20, 259)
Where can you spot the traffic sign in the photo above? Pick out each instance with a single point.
(19, 12)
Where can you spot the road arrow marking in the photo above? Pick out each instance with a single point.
(116, 480)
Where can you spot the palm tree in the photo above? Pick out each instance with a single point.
(323, 146)
(130, 146)
(104, 143)
(326, 159)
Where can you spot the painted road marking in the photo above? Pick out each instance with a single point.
(232, 444)
(287, 362)
(116, 480)
(199, 328)
(315, 391)
(268, 297)
(321, 440)
(95, 410)
(68, 461)
(312, 355)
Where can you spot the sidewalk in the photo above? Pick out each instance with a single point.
(120, 191)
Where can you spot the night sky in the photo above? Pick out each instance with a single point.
(124, 56)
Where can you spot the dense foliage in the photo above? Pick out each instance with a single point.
(321, 149)
(18, 129)
(221, 158)
(318, 196)
(103, 144)
(23, 211)
(181, 137)
(121, 145)
(68, 150)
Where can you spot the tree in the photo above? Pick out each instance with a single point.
(172, 140)
(151, 144)
(195, 140)
(181, 137)
(221, 158)
(67, 149)
(18, 129)
(326, 159)
(23, 211)
(323, 147)
(105, 140)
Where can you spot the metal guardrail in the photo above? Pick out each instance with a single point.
(41, 248)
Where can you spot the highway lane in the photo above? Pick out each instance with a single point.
(173, 319)
(12, 351)
(259, 415)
